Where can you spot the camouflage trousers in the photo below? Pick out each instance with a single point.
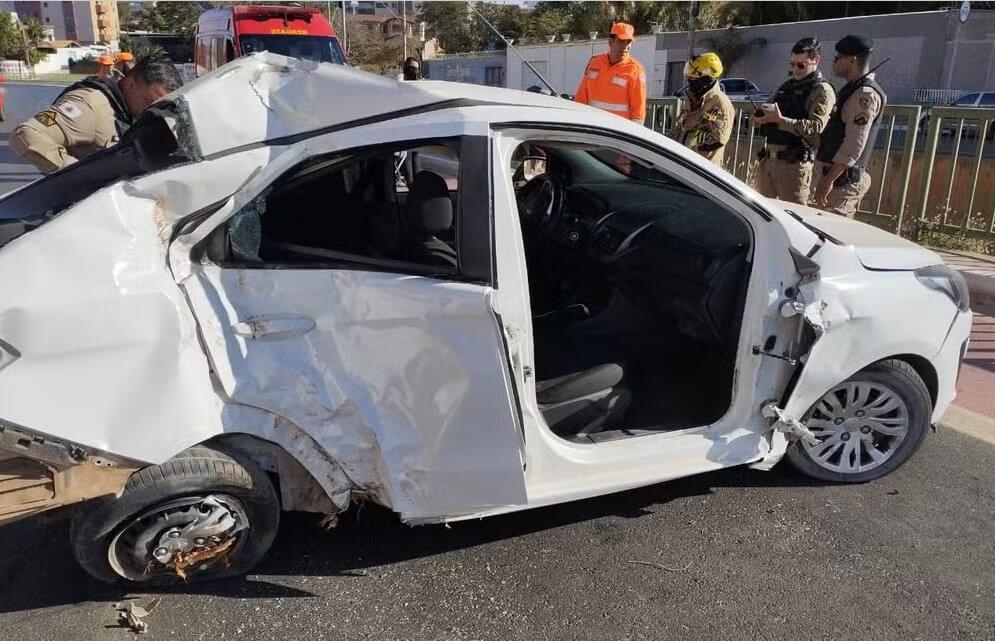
(845, 200)
(788, 181)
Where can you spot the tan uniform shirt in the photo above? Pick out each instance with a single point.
(819, 106)
(78, 124)
(708, 128)
(858, 113)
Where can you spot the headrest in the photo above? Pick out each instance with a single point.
(435, 214)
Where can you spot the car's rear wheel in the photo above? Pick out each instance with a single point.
(867, 426)
(200, 516)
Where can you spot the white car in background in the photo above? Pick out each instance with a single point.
(454, 301)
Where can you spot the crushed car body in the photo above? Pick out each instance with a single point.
(355, 287)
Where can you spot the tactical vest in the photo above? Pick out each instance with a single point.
(108, 87)
(835, 132)
(792, 99)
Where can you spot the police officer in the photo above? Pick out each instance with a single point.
(705, 121)
(615, 81)
(792, 124)
(92, 114)
(847, 142)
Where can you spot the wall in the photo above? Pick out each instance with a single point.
(471, 69)
(920, 45)
(563, 64)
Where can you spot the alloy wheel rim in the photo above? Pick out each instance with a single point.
(859, 426)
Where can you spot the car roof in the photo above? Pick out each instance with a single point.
(268, 98)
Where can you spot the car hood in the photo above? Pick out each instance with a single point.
(875, 248)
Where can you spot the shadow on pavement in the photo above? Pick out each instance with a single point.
(37, 569)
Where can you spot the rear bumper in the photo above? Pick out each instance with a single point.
(947, 363)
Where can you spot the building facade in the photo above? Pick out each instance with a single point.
(89, 22)
(482, 68)
(928, 51)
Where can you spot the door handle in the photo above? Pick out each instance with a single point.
(273, 327)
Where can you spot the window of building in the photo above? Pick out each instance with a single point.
(494, 76)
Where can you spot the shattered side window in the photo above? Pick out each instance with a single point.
(391, 209)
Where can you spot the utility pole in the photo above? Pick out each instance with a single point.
(693, 15)
(345, 32)
(404, 26)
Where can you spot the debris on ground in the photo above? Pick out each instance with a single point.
(662, 567)
(131, 615)
(355, 572)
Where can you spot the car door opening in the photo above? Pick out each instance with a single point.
(637, 284)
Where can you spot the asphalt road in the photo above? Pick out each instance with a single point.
(767, 556)
(741, 554)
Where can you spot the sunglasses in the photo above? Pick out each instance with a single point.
(798, 65)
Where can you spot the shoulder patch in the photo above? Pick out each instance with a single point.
(865, 102)
(69, 109)
(46, 117)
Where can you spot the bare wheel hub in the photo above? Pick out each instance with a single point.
(192, 532)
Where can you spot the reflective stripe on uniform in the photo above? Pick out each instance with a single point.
(610, 106)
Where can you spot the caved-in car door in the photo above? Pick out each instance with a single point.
(337, 305)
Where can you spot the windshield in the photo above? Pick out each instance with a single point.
(317, 48)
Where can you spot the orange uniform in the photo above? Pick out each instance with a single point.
(618, 88)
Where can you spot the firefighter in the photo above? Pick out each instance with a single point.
(615, 81)
(124, 62)
(91, 115)
(791, 126)
(847, 142)
(705, 121)
(106, 66)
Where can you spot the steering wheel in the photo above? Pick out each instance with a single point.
(541, 201)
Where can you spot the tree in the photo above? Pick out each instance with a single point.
(453, 24)
(173, 17)
(550, 21)
(11, 42)
(731, 46)
(371, 53)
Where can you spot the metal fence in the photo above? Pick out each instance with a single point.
(932, 170)
(45, 78)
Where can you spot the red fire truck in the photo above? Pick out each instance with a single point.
(231, 32)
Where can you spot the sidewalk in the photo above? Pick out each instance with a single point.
(978, 271)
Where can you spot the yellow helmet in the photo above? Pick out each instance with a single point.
(707, 64)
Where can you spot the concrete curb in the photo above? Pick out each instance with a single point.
(971, 423)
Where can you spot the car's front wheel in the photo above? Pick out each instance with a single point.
(202, 515)
(867, 426)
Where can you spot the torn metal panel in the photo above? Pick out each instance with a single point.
(789, 425)
(280, 97)
(859, 318)
(401, 381)
(28, 486)
(109, 355)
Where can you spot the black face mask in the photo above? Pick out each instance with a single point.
(700, 86)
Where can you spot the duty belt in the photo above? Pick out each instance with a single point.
(796, 155)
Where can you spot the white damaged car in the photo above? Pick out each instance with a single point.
(296, 287)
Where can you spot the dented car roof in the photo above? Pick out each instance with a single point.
(271, 98)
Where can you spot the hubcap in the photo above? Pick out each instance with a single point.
(859, 426)
(179, 537)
